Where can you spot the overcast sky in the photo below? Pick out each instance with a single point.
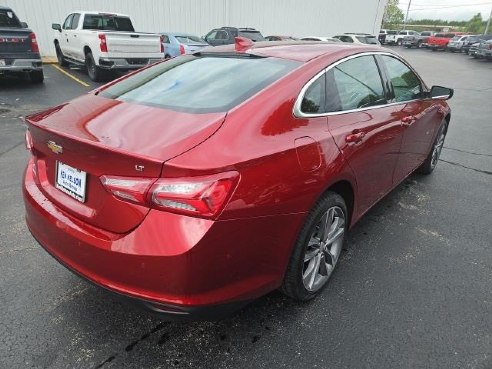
(446, 9)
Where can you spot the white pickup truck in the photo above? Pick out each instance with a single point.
(397, 38)
(104, 42)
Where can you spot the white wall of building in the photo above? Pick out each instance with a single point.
(281, 17)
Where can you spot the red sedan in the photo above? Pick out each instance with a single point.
(200, 183)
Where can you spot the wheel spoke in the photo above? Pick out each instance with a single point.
(335, 235)
(325, 223)
(315, 270)
(309, 255)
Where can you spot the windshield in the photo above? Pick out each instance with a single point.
(108, 22)
(188, 39)
(392, 32)
(456, 38)
(367, 39)
(180, 84)
(252, 35)
(425, 34)
(8, 19)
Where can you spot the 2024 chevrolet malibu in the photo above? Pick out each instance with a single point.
(198, 184)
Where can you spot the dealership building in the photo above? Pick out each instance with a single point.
(272, 17)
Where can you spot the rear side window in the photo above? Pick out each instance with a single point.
(8, 19)
(313, 101)
(358, 84)
(188, 39)
(200, 84)
(165, 39)
(107, 22)
(253, 36)
(406, 84)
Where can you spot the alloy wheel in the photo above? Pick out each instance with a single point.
(323, 249)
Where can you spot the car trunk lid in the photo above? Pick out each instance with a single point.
(101, 136)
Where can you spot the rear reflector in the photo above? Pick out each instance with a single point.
(102, 43)
(34, 43)
(203, 196)
(181, 49)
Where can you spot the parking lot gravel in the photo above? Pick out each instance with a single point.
(413, 289)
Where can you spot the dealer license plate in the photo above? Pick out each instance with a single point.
(71, 180)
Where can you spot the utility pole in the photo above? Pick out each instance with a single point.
(406, 16)
(488, 23)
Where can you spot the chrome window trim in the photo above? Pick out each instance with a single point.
(297, 105)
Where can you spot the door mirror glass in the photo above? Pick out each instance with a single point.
(24, 25)
(439, 92)
(56, 26)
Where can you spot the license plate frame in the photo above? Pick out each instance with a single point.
(71, 181)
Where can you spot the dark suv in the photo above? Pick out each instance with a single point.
(19, 51)
(225, 35)
(473, 40)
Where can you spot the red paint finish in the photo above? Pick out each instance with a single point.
(282, 164)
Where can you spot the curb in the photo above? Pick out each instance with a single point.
(49, 59)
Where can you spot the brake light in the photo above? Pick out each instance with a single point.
(102, 43)
(181, 49)
(490, 46)
(162, 44)
(202, 196)
(34, 43)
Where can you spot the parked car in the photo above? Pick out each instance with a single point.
(104, 42)
(457, 42)
(417, 40)
(358, 38)
(485, 50)
(382, 36)
(226, 35)
(473, 49)
(320, 38)
(181, 43)
(472, 40)
(19, 51)
(440, 40)
(163, 185)
(280, 38)
(397, 39)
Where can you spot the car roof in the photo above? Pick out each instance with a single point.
(2, 7)
(302, 51)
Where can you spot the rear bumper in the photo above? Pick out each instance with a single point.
(182, 266)
(21, 65)
(126, 63)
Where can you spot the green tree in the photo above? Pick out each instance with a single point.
(393, 15)
(475, 25)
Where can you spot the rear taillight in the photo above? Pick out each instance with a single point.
(162, 44)
(490, 46)
(203, 196)
(181, 49)
(102, 43)
(34, 43)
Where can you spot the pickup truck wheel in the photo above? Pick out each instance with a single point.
(59, 55)
(419, 44)
(399, 42)
(95, 73)
(36, 76)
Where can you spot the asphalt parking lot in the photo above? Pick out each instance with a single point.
(413, 290)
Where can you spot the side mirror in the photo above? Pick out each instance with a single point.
(24, 25)
(439, 92)
(56, 26)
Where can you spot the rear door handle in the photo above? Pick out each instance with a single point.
(355, 137)
(408, 120)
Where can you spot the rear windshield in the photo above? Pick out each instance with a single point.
(254, 36)
(367, 39)
(198, 84)
(392, 32)
(108, 22)
(189, 39)
(8, 19)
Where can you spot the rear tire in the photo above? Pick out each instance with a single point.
(59, 55)
(317, 249)
(399, 42)
(432, 159)
(36, 76)
(95, 73)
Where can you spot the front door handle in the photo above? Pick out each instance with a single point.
(408, 120)
(355, 137)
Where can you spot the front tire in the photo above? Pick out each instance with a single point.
(318, 248)
(95, 73)
(432, 159)
(59, 56)
(399, 42)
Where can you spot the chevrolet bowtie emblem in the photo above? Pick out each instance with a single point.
(57, 149)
